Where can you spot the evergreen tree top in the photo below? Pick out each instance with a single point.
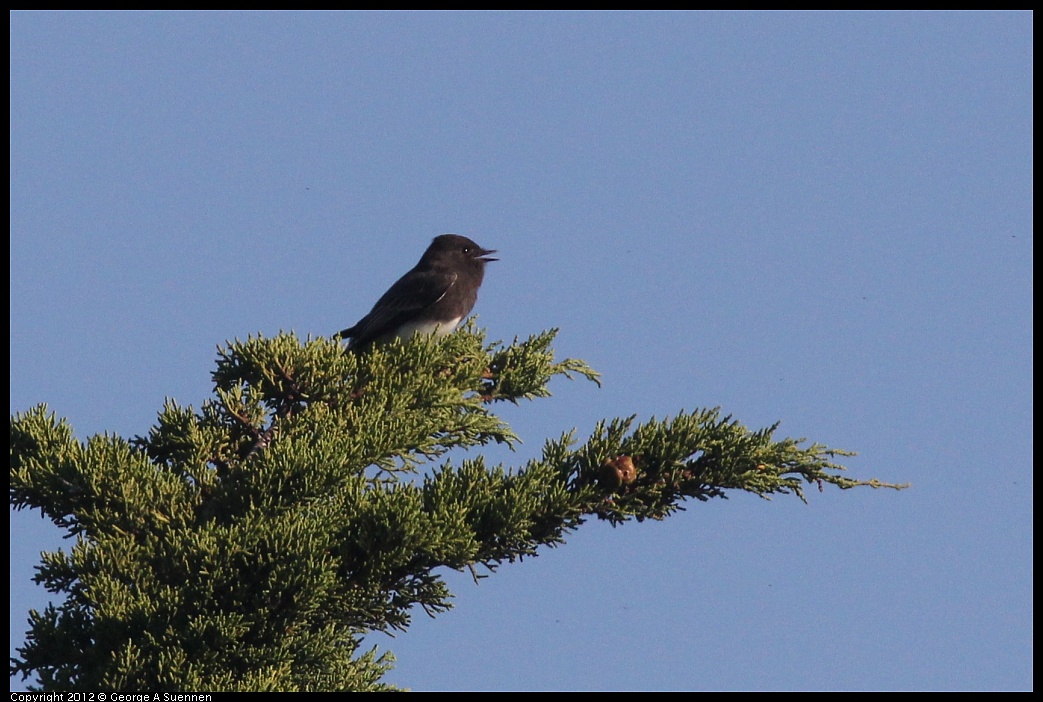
(252, 544)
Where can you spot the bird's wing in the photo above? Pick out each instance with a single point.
(409, 296)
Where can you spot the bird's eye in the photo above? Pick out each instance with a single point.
(467, 249)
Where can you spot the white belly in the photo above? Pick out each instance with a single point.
(406, 331)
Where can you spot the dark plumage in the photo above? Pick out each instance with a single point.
(433, 297)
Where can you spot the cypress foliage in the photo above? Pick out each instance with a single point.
(251, 545)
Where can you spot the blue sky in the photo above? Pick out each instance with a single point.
(823, 219)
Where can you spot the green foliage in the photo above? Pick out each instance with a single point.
(252, 544)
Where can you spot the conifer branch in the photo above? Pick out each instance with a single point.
(253, 544)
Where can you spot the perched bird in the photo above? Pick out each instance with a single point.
(433, 297)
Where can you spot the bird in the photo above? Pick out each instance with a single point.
(432, 298)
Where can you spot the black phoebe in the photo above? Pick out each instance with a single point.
(433, 297)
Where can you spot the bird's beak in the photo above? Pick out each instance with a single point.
(483, 255)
